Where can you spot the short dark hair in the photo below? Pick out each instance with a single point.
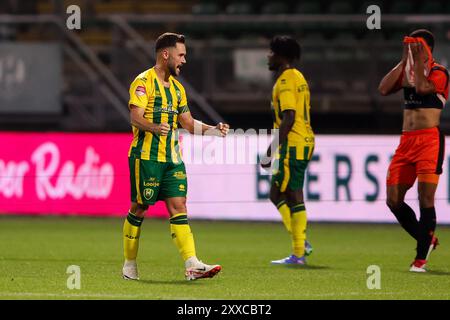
(286, 46)
(426, 35)
(167, 40)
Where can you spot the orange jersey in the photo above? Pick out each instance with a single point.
(439, 77)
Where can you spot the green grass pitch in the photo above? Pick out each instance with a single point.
(36, 251)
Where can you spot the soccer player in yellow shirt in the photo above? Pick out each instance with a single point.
(157, 104)
(290, 109)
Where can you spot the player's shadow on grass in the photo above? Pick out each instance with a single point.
(430, 273)
(305, 267)
(174, 282)
(438, 273)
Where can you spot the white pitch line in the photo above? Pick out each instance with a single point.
(80, 295)
(130, 296)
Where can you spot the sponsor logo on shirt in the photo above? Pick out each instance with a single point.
(303, 87)
(166, 110)
(140, 91)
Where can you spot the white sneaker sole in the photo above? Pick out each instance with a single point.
(128, 278)
(192, 274)
(415, 269)
(288, 264)
(130, 275)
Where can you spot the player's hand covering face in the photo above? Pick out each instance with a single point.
(177, 58)
(418, 52)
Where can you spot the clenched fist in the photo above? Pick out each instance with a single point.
(162, 129)
(223, 129)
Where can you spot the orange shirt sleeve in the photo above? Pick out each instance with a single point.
(440, 81)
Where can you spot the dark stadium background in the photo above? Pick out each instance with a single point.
(342, 59)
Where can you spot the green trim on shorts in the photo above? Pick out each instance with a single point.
(298, 208)
(280, 204)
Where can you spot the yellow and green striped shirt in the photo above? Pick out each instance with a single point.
(162, 105)
(291, 92)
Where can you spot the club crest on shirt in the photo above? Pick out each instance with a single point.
(178, 96)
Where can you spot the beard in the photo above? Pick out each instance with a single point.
(173, 70)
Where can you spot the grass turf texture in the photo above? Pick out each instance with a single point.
(35, 253)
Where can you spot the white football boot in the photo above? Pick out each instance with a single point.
(196, 269)
(418, 266)
(129, 270)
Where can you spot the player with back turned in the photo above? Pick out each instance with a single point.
(290, 109)
(157, 104)
(421, 150)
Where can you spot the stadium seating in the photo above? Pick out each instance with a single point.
(308, 7)
(431, 7)
(401, 7)
(362, 7)
(248, 6)
(205, 8)
(126, 6)
(239, 8)
(274, 8)
(334, 52)
(340, 7)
